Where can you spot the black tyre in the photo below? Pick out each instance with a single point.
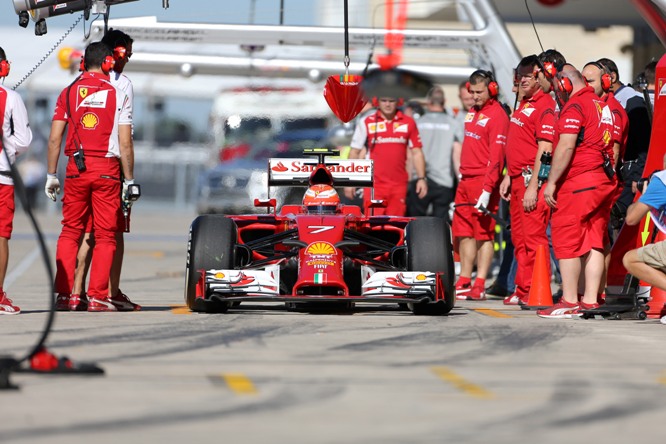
(429, 248)
(212, 244)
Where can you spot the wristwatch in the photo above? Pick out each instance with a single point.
(422, 178)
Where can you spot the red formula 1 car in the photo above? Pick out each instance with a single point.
(320, 252)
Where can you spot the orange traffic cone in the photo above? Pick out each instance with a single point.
(540, 294)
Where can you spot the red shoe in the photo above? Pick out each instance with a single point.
(123, 303)
(561, 310)
(514, 299)
(463, 290)
(78, 302)
(100, 304)
(584, 306)
(7, 307)
(476, 294)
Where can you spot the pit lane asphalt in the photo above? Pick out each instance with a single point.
(484, 374)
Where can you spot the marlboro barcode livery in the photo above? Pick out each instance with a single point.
(320, 252)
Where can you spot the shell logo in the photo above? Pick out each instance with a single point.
(320, 248)
(89, 121)
(219, 275)
(421, 277)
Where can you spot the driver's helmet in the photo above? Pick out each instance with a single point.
(321, 199)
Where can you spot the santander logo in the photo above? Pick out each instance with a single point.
(280, 168)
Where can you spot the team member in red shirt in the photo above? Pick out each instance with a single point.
(579, 190)
(598, 77)
(15, 138)
(99, 145)
(386, 134)
(121, 45)
(481, 164)
(531, 134)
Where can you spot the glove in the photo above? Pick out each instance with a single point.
(52, 186)
(127, 202)
(483, 200)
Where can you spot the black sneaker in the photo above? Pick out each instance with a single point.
(497, 290)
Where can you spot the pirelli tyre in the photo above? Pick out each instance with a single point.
(211, 244)
(429, 248)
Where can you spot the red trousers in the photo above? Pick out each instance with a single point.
(394, 197)
(95, 192)
(528, 231)
(580, 221)
(467, 220)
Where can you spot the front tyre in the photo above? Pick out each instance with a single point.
(429, 248)
(211, 245)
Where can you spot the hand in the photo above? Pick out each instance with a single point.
(505, 188)
(127, 201)
(52, 186)
(483, 200)
(421, 188)
(549, 194)
(530, 198)
(634, 187)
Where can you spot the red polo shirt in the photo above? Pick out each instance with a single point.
(533, 120)
(484, 142)
(591, 118)
(387, 142)
(94, 111)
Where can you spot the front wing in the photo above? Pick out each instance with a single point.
(263, 285)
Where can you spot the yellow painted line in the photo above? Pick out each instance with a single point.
(155, 254)
(239, 383)
(662, 379)
(180, 310)
(492, 313)
(461, 383)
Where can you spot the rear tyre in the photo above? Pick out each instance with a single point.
(212, 244)
(429, 248)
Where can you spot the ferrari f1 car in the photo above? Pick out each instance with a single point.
(320, 252)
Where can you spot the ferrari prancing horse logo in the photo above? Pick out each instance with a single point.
(83, 92)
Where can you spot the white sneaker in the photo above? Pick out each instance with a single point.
(663, 320)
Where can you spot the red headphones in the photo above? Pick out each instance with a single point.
(107, 64)
(606, 80)
(493, 87)
(119, 53)
(4, 68)
(548, 69)
(375, 102)
(565, 84)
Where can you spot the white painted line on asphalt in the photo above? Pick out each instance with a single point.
(22, 267)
